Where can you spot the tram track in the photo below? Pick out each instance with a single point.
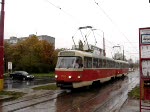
(21, 104)
(91, 100)
(47, 97)
(113, 108)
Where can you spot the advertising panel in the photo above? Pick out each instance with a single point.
(144, 56)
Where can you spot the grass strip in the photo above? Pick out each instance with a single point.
(41, 75)
(46, 87)
(135, 93)
(13, 94)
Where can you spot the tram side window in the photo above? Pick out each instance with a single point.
(100, 63)
(124, 65)
(104, 63)
(108, 64)
(121, 65)
(117, 65)
(95, 63)
(87, 62)
(78, 63)
(113, 64)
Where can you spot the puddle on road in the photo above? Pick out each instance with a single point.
(114, 93)
(78, 101)
(16, 84)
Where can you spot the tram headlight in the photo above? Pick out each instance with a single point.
(79, 76)
(69, 77)
(56, 76)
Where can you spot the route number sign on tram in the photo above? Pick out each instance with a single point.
(144, 54)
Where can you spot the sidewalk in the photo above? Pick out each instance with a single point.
(131, 105)
(29, 92)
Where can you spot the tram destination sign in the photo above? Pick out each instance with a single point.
(145, 38)
(67, 53)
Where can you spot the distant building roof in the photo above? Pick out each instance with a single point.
(14, 40)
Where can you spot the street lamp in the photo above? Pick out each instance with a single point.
(103, 40)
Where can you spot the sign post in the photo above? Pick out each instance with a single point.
(144, 54)
(9, 67)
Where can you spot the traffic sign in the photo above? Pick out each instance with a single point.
(9, 65)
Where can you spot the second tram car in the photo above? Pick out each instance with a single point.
(77, 68)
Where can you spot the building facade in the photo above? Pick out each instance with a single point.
(14, 40)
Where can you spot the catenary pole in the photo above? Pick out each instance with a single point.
(2, 45)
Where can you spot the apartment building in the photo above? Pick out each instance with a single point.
(14, 40)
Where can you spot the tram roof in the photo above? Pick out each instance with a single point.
(121, 61)
(88, 54)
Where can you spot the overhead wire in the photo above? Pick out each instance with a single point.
(53, 5)
(113, 23)
(58, 7)
(61, 9)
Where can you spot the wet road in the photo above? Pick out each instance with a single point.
(10, 84)
(107, 98)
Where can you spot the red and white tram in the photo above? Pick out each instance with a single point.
(77, 68)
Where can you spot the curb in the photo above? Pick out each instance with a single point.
(5, 97)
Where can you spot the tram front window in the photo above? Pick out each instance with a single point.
(68, 62)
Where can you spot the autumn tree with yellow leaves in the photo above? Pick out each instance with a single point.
(32, 55)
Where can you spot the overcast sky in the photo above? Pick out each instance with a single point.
(118, 19)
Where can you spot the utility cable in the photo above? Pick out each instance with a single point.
(61, 9)
(113, 23)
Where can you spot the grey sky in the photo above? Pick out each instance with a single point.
(118, 19)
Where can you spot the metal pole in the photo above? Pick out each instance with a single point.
(2, 45)
(123, 52)
(104, 45)
(104, 49)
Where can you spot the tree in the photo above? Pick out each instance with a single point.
(8, 50)
(31, 55)
(130, 63)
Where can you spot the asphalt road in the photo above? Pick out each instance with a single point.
(107, 98)
(17, 84)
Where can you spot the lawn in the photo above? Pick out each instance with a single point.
(42, 75)
(14, 94)
(135, 93)
(46, 87)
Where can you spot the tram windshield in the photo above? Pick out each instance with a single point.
(69, 62)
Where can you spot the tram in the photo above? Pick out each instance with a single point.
(76, 68)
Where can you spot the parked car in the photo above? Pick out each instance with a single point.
(21, 75)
